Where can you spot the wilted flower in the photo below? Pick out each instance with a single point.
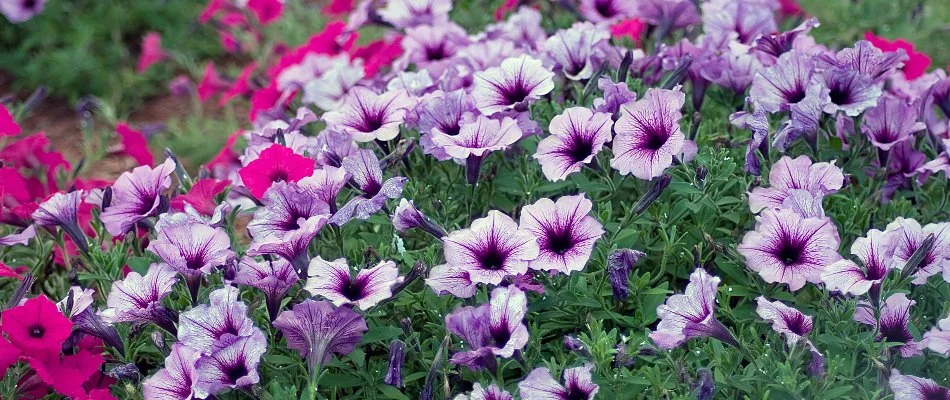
(407, 216)
(565, 232)
(138, 298)
(691, 314)
(785, 320)
(892, 324)
(367, 175)
(937, 339)
(476, 139)
(136, 195)
(37, 328)
(491, 392)
(574, 51)
(875, 252)
(789, 174)
(287, 223)
(397, 356)
(231, 367)
(333, 281)
(177, 379)
(211, 327)
(788, 248)
(275, 164)
(705, 384)
(909, 387)
(909, 237)
(62, 210)
(540, 385)
(273, 277)
(317, 330)
(491, 249)
(619, 264)
(513, 85)
(577, 136)
(648, 134)
(489, 330)
(368, 116)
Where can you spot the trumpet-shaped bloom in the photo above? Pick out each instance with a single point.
(691, 314)
(490, 392)
(909, 237)
(648, 134)
(491, 249)
(318, 329)
(273, 277)
(777, 87)
(578, 385)
(177, 380)
(875, 252)
(407, 216)
(37, 328)
(574, 51)
(491, 329)
(788, 248)
(427, 46)
(409, 13)
(892, 324)
(477, 139)
(136, 195)
(893, 121)
(455, 280)
(615, 95)
(212, 327)
(598, 11)
(275, 164)
(518, 82)
(865, 59)
(785, 320)
(788, 175)
(367, 175)
(62, 210)
(443, 114)
(938, 338)
(192, 249)
(368, 116)
(565, 232)
(287, 223)
(334, 281)
(138, 298)
(22, 10)
(231, 367)
(850, 91)
(577, 136)
(909, 387)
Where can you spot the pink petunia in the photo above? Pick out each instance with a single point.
(8, 126)
(917, 61)
(266, 11)
(240, 86)
(211, 83)
(275, 164)
(152, 52)
(134, 144)
(201, 196)
(37, 327)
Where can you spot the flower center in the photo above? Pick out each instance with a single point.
(236, 372)
(580, 149)
(575, 393)
(516, 93)
(37, 331)
(789, 253)
(436, 53)
(656, 138)
(372, 121)
(840, 95)
(560, 241)
(795, 95)
(796, 324)
(492, 258)
(353, 291)
(279, 175)
(501, 336)
(605, 8)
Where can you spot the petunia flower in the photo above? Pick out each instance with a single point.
(515, 84)
(209, 328)
(330, 90)
(785, 320)
(614, 96)
(489, 330)
(648, 134)
(732, 70)
(577, 136)
(368, 116)
(619, 264)
(266, 11)
(892, 323)
(779, 86)
(407, 217)
(9, 354)
(448, 279)
(565, 232)
(397, 357)
(134, 144)
(201, 197)
(442, 114)
(490, 392)
(192, 249)
(865, 59)
(67, 374)
(875, 252)
(8, 125)
(333, 281)
(916, 63)
(136, 195)
(430, 46)
(21, 238)
(574, 51)
(178, 378)
(275, 164)
(788, 248)
(476, 139)
(788, 174)
(325, 184)
(668, 14)
(152, 52)
(909, 237)
(909, 387)
(37, 328)
(20, 11)
(138, 298)
(409, 13)
(891, 122)
(742, 20)
(211, 83)
(62, 210)
(691, 314)
(491, 249)
(290, 219)
(232, 367)
(367, 176)
(597, 11)
(318, 329)
(578, 384)
(937, 339)
(850, 91)
(273, 277)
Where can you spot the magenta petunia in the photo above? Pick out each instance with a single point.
(598, 11)
(875, 251)
(333, 281)
(517, 82)
(136, 195)
(648, 134)
(290, 219)
(152, 52)
(909, 236)
(211, 327)
(909, 387)
(368, 116)
(788, 174)
(892, 322)
(318, 329)
(785, 320)
(937, 339)
(691, 314)
(489, 330)
(574, 51)
(490, 392)
(891, 122)
(232, 367)
(578, 385)
(367, 177)
(276, 163)
(273, 277)
(565, 232)
(177, 379)
(491, 249)
(138, 298)
(37, 328)
(788, 248)
(577, 136)
(779, 86)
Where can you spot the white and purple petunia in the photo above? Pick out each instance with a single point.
(788, 175)
(691, 314)
(785, 320)
(429, 47)
(875, 251)
(565, 232)
(598, 11)
(489, 330)
(577, 136)
(18, 11)
(513, 85)
(937, 339)
(443, 113)
(909, 387)
(177, 379)
(477, 139)
(208, 328)
(574, 51)
(287, 223)
(232, 367)
(367, 116)
(909, 236)
(325, 184)
(272, 277)
(578, 385)
(409, 13)
(864, 59)
(367, 176)
(192, 249)
(891, 122)
(779, 86)
(648, 134)
(849, 91)
(138, 298)
(333, 281)
(614, 96)
(62, 210)
(892, 323)
(318, 329)
(136, 195)
(490, 392)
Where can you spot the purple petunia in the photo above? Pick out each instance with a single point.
(409, 13)
(937, 339)
(875, 252)
(648, 134)
(490, 392)
(788, 175)
(849, 91)
(909, 236)
(489, 330)
(192, 249)
(691, 314)
(62, 210)
(574, 51)
(598, 11)
(668, 14)
(490, 250)
(892, 323)
(578, 385)
(333, 281)
(232, 367)
(138, 298)
(368, 116)
(740, 20)
(788, 248)
(577, 136)
(565, 232)
(477, 139)
(287, 223)
(136, 195)
(785, 320)
(177, 379)
(18, 11)
(891, 122)
(451, 279)
(909, 387)
(778, 87)
(430, 46)
(209, 328)
(864, 59)
(443, 114)
(367, 176)
(614, 96)
(513, 85)
(325, 184)
(407, 217)
(273, 277)
(318, 329)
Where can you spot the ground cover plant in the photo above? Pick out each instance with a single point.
(522, 200)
